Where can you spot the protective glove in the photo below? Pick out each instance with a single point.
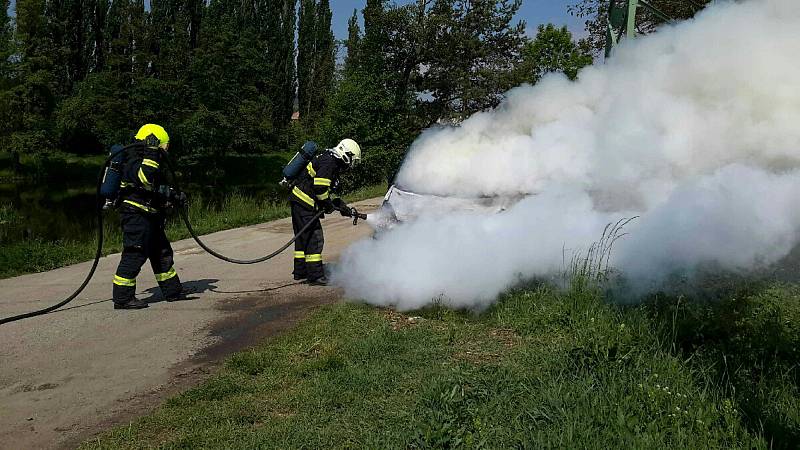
(171, 195)
(327, 206)
(181, 198)
(342, 207)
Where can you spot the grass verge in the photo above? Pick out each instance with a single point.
(36, 255)
(542, 368)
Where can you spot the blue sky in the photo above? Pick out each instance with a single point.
(534, 12)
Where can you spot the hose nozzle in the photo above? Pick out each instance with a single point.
(357, 215)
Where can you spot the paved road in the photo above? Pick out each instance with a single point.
(66, 375)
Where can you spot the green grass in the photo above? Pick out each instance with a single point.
(373, 191)
(37, 255)
(542, 368)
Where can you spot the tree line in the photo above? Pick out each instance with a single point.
(227, 75)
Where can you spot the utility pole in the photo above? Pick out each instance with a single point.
(622, 20)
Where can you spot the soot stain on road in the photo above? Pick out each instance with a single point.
(258, 317)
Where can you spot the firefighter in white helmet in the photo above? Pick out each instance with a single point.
(312, 193)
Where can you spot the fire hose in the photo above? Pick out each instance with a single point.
(185, 216)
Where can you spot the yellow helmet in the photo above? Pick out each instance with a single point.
(156, 130)
(348, 151)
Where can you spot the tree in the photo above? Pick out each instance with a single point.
(376, 36)
(596, 14)
(282, 55)
(6, 47)
(316, 58)
(27, 123)
(352, 43)
(66, 40)
(325, 55)
(230, 77)
(241, 78)
(306, 50)
(472, 51)
(109, 104)
(173, 36)
(361, 110)
(7, 78)
(553, 50)
(420, 63)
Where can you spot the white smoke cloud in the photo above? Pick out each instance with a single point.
(695, 128)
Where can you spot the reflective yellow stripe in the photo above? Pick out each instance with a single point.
(150, 162)
(322, 182)
(140, 206)
(324, 195)
(311, 170)
(302, 196)
(143, 178)
(166, 275)
(125, 184)
(128, 282)
(299, 254)
(314, 258)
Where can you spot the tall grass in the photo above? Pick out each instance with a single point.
(594, 264)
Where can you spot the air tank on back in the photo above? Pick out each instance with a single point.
(299, 162)
(113, 175)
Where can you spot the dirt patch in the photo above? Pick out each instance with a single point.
(506, 336)
(400, 321)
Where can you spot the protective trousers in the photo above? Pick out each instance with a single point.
(308, 246)
(143, 238)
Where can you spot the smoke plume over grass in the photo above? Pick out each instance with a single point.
(696, 129)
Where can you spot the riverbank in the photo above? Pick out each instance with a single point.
(236, 210)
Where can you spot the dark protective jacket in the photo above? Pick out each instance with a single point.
(313, 186)
(141, 179)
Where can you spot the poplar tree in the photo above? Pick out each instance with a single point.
(373, 45)
(6, 46)
(121, 90)
(33, 97)
(7, 77)
(282, 55)
(306, 49)
(325, 57)
(352, 43)
(316, 58)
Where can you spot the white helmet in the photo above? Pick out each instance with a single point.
(348, 151)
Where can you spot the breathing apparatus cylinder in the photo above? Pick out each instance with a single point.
(299, 162)
(112, 177)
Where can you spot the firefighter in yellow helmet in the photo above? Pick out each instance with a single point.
(143, 198)
(312, 193)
